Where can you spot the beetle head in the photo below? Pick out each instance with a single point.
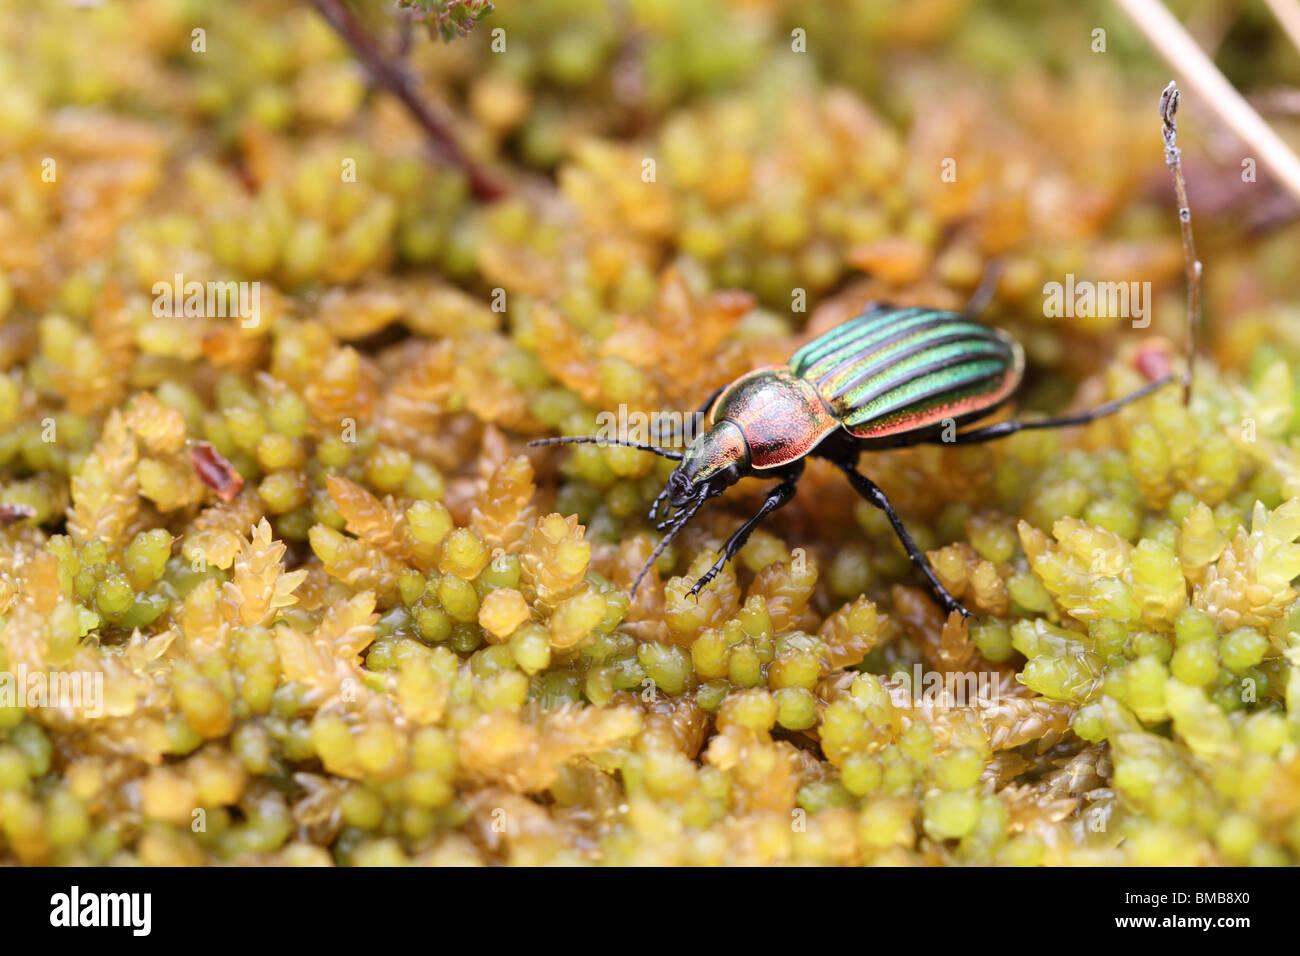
(713, 463)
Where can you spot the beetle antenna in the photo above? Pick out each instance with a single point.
(678, 523)
(1173, 159)
(986, 290)
(597, 440)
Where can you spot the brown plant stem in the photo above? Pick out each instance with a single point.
(389, 74)
(1173, 159)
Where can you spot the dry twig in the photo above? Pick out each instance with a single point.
(1173, 159)
(1176, 45)
(389, 73)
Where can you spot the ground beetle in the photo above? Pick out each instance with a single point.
(888, 378)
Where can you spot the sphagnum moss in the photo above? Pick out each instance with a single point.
(338, 608)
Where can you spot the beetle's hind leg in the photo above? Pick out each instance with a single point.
(776, 498)
(869, 490)
(1003, 429)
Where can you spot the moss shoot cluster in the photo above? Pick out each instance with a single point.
(327, 607)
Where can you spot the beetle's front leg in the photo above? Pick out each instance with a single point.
(869, 490)
(777, 497)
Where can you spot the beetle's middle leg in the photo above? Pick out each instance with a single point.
(776, 498)
(869, 490)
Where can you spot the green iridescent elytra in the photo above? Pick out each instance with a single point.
(891, 370)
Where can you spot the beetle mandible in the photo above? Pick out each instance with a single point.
(888, 378)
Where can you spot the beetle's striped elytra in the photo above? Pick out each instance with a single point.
(891, 371)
